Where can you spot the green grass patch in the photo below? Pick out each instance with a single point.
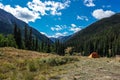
(57, 61)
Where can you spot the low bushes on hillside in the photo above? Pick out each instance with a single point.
(56, 61)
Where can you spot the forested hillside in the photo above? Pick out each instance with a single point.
(102, 36)
(18, 34)
(8, 22)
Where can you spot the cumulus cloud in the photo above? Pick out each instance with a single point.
(44, 33)
(82, 18)
(48, 6)
(59, 34)
(73, 25)
(36, 9)
(100, 13)
(58, 27)
(89, 3)
(22, 13)
(74, 28)
(56, 35)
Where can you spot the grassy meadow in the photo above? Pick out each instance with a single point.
(18, 64)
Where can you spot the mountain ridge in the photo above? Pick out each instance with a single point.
(101, 36)
(7, 22)
(93, 24)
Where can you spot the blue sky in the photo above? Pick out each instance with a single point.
(56, 18)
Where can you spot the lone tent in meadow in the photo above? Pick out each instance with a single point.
(94, 55)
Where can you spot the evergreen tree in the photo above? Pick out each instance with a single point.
(18, 36)
(33, 43)
(15, 32)
(30, 44)
(57, 43)
(59, 48)
(42, 46)
(36, 44)
(26, 37)
(19, 39)
(48, 46)
(2, 40)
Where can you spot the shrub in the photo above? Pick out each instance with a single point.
(28, 76)
(1, 54)
(6, 67)
(69, 51)
(56, 61)
(32, 66)
(2, 76)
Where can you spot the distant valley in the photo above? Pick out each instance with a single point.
(103, 36)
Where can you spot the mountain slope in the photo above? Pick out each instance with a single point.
(103, 33)
(7, 22)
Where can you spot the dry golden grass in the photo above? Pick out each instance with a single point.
(18, 64)
(9, 52)
(29, 65)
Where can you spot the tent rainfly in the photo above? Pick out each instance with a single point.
(94, 55)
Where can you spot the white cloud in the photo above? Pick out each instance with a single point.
(89, 3)
(36, 9)
(56, 35)
(59, 34)
(1, 5)
(48, 6)
(74, 28)
(44, 33)
(58, 27)
(100, 13)
(21, 13)
(82, 18)
(73, 25)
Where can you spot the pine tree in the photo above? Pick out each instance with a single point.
(2, 40)
(18, 36)
(42, 46)
(48, 46)
(26, 37)
(30, 45)
(19, 39)
(33, 44)
(36, 44)
(57, 46)
(15, 32)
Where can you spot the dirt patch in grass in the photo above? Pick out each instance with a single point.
(93, 69)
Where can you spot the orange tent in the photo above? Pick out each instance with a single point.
(94, 55)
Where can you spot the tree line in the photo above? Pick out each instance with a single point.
(105, 43)
(26, 40)
(29, 41)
